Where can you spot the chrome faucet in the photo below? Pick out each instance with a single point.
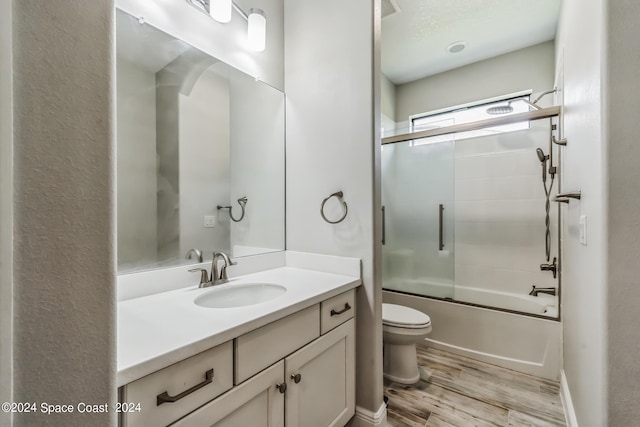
(196, 252)
(535, 291)
(218, 279)
(553, 267)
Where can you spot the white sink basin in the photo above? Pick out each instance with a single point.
(240, 295)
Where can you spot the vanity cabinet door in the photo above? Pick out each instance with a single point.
(255, 403)
(321, 380)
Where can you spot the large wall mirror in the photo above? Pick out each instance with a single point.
(200, 153)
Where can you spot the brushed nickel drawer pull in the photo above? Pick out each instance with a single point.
(282, 387)
(347, 307)
(165, 398)
(296, 378)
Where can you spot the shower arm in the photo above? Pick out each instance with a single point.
(534, 104)
(543, 94)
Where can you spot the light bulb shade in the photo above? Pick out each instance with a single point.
(220, 10)
(257, 30)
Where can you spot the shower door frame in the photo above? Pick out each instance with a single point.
(544, 113)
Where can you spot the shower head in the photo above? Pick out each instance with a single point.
(506, 109)
(500, 109)
(543, 162)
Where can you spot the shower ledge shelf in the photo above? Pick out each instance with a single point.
(481, 124)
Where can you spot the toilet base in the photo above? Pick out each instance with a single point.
(400, 363)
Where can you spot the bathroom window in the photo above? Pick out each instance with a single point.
(467, 113)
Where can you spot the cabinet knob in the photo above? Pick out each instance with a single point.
(296, 378)
(281, 387)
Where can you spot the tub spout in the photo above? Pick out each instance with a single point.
(535, 291)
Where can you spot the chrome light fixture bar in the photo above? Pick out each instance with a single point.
(221, 11)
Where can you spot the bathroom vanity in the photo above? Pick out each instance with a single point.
(290, 359)
(204, 144)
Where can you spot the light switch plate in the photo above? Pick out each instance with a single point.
(583, 229)
(209, 221)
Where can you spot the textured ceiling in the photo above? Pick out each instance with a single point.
(415, 40)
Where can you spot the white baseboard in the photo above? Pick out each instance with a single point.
(366, 418)
(567, 403)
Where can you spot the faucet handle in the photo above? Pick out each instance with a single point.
(204, 275)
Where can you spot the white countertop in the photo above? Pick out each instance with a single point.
(158, 330)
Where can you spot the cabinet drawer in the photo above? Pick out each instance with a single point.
(191, 383)
(263, 347)
(337, 310)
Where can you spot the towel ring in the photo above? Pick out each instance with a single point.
(339, 195)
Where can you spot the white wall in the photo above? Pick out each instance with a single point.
(225, 42)
(527, 68)
(331, 68)
(136, 141)
(64, 171)
(6, 209)
(203, 126)
(387, 104)
(579, 48)
(621, 106)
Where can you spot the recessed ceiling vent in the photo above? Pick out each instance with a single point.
(389, 7)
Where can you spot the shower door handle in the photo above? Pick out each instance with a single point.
(440, 227)
(384, 226)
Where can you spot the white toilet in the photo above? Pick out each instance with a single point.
(402, 328)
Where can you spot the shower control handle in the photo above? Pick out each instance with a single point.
(553, 267)
(564, 197)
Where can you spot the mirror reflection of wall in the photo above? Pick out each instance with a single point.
(193, 133)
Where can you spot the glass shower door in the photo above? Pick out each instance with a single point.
(418, 199)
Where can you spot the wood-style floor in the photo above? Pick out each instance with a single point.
(458, 391)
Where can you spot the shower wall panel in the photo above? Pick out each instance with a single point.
(500, 212)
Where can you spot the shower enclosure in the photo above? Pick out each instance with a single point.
(470, 218)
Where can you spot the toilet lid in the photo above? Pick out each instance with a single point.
(405, 317)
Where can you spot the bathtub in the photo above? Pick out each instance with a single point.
(524, 343)
(541, 305)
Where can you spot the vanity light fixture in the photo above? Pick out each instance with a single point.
(221, 10)
(256, 30)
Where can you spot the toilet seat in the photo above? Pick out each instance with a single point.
(400, 316)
